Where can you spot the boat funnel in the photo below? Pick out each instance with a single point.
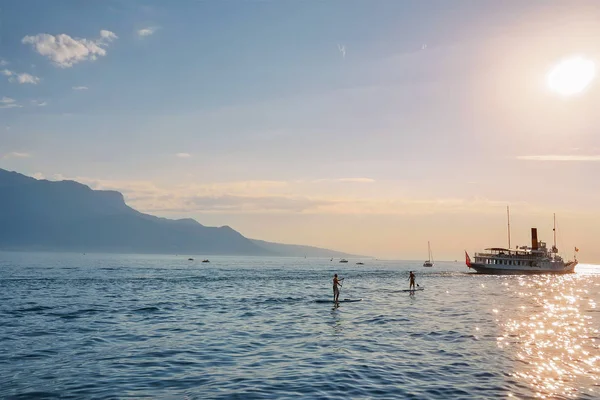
(534, 241)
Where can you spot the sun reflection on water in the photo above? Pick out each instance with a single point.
(553, 335)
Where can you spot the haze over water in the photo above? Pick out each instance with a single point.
(107, 326)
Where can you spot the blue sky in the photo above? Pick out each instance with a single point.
(332, 123)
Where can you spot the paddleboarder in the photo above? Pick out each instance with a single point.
(336, 288)
(411, 277)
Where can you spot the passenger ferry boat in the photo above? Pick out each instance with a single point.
(537, 259)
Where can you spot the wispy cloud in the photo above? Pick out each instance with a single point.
(80, 88)
(357, 180)
(20, 77)
(16, 154)
(3, 62)
(345, 180)
(147, 31)
(183, 155)
(7, 102)
(556, 157)
(65, 51)
(39, 103)
(27, 78)
(38, 175)
(342, 50)
(275, 197)
(108, 36)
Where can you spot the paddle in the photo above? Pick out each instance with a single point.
(340, 280)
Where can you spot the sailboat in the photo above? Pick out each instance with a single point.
(429, 262)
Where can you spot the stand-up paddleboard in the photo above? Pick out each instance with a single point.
(340, 301)
(412, 290)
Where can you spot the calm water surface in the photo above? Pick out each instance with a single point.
(116, 326)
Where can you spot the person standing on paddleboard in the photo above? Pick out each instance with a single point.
(411, 277)
(336, 288)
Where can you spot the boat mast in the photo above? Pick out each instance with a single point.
(430, 254)
(508, 218)
(428, 251)
(554, 248)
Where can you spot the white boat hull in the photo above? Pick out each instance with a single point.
(544, 267)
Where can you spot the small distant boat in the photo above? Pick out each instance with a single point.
(360, 263)
(190, 259)
(205, 261)
(343, 260)
(429, 262)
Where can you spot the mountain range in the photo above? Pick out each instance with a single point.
(42, 215)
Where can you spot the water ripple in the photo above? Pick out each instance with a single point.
(106, 327)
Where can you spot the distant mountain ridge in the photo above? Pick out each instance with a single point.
(69, 216)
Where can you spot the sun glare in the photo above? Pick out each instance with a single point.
(571, 76)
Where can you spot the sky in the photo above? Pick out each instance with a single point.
(364, 126)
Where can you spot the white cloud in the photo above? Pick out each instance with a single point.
(21, 78)
(80, 88)
(147, 31)
(39, 103)
(27, 78)
(555, 157)
(10, 105)
(3, 63)
(108, 35)
(7, 102)
(342, 50)
(16, 154)
(183, 155)
(38, 175)
(65, 51)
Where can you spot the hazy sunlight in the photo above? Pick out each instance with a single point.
(571, 76)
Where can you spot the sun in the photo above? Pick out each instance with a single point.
(571, 76)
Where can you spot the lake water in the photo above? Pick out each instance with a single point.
(116, 326)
